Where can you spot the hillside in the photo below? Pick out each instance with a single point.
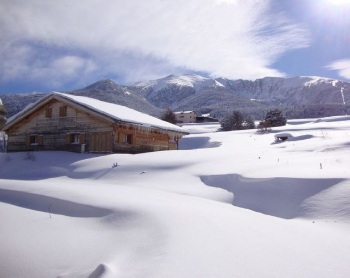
(227, 204)
(298, 97)
(107, 90)
(14, 103)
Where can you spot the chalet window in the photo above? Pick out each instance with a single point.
(48, 112)
(63, 111)
(75, 138)
(35, 139)
(128, 138)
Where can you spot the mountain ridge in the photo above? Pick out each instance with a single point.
(300, 96)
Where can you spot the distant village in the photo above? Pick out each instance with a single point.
(189, 117)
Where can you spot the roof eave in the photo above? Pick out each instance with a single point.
(41, 102)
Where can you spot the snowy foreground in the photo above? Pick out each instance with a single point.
(231, 204)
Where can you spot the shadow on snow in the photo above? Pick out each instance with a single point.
(279, 197)
(50, 205)
(191, 143)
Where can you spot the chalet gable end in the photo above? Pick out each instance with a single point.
(59, 123)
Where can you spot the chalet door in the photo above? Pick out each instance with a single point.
(101, 142)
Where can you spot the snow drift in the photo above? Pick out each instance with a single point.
(228, 204)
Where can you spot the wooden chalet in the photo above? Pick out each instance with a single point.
(74, 123)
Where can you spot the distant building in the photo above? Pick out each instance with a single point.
(183, 117)
(81, 124)
(206, 119)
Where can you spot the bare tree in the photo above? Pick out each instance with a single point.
(169, 116)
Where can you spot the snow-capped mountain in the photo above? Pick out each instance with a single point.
(317, 95)
(194, 81)
(292, 91)
(299, 97)
(172, 90)
(107, 90)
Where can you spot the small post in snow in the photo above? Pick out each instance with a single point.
(49, 210)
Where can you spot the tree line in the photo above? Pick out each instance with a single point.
(236, 120)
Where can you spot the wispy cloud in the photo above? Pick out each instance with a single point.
(136, 40)
(342, 66)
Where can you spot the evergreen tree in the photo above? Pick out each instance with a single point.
(249, 123)
(275, 117)
(169, 116)
(233, 121)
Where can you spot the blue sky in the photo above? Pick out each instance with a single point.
(65, 45)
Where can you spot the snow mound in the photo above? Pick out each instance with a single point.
(50, 205)
(286, 197)
(102, 271)
(222, 203)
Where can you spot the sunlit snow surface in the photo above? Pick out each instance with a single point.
(227, 204)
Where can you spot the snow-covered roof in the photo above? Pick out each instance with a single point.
(184, 112)
(111, 110)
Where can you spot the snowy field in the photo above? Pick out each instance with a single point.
(228, 204)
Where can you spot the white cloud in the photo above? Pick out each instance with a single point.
(68, 68)
(342, 66)
(136, 39)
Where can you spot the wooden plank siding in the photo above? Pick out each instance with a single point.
(142, 139)
(54, 128)
(101, 142)
(57, 125)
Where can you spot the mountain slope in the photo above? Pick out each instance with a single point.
(14, 103)
(219, 101)
(107, 90)
(291, 91)
(314, 95)
(299, 97)
(195, 81)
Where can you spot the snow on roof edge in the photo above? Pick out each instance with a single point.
(122, 113)
(89, 103)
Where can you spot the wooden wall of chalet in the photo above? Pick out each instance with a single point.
(52, 129)
(55, 124)
(133, 138)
